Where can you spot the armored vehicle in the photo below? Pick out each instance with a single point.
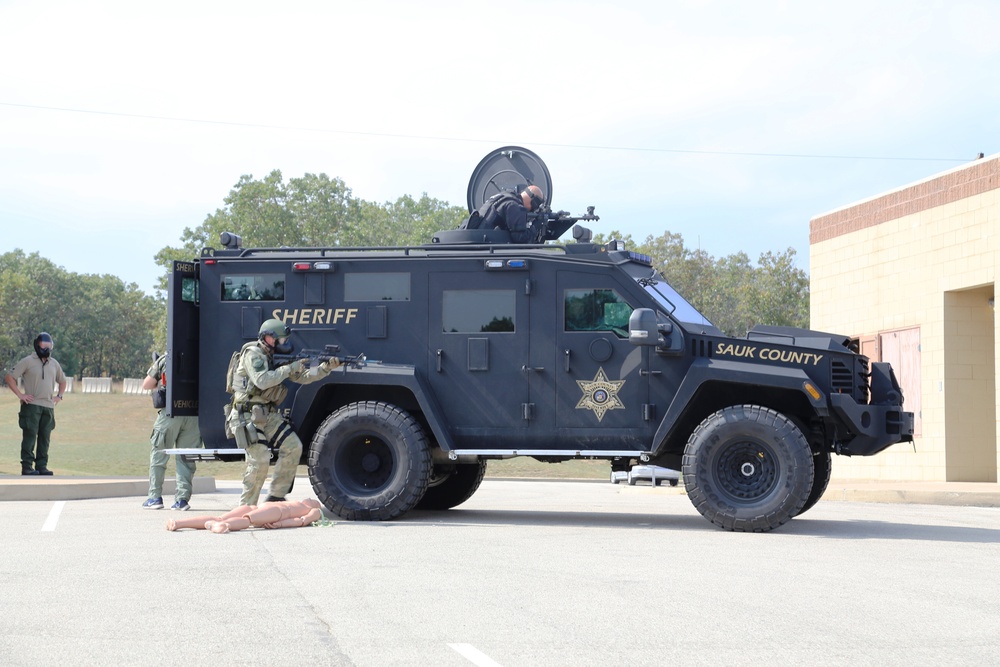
(556, 351)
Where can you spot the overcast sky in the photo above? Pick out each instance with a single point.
(730, 123)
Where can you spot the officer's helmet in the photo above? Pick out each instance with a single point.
(274, 328)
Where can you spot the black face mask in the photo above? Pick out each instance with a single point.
(282, 348)
(42, 352)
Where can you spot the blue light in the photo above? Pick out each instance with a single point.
(516, 263)
(640, 258)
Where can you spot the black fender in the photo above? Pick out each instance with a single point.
(731, 372)
(395, 375)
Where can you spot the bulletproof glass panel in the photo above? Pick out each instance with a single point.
(189, 290)
(597, 310)
(478, 311)
(377, 287)
(260, 287)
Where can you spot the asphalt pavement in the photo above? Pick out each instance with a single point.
(525, 573)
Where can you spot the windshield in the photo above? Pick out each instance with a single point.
(672, 302)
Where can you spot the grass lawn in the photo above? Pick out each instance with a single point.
(108, 435)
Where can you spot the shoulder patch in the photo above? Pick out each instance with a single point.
(258, 363)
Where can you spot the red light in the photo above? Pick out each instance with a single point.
(209, 261)
(301, 266)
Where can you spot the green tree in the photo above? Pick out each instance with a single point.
(101, 326)
(405, 222)
(733, 293)
(307, 211)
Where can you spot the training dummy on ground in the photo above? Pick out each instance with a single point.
(284, 514)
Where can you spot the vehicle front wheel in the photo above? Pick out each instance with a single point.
(748, 468)
(369, 461)
(452, 484)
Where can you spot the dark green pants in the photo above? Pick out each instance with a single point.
(36, 424)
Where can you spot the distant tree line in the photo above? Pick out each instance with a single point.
(103, 326)
(100, 325)
(732, 292)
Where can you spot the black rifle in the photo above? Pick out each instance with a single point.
(549, 225)
(315, 357)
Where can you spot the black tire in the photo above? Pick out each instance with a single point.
(748, 468)
(369, 462)
(822, 467)
(673, 482)
(451, 485)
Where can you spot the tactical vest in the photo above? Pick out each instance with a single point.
(238, 383)
(485, 217)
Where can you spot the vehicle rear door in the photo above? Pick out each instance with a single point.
(182, 340)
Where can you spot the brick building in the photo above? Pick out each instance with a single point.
(911, 274)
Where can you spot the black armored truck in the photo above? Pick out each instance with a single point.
(471, 348)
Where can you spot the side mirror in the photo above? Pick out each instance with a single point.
(642, 327)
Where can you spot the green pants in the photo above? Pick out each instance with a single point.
(171, 433)
(274, 433)
(36, 424)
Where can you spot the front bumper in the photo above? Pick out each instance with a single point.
(877, 427)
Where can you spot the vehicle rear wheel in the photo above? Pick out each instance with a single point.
(748, 468)
(370, 462)
(822, 467)
(451, 485)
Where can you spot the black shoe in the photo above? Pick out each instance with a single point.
(274, 499)
(28, 471)
(43, 471)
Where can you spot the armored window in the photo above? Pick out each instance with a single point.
(377, 287)
(189, 290)
(477, 311)
(597, 310)
(260, 287)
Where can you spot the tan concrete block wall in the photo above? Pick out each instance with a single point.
(872, 272)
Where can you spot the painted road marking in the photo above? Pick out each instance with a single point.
(474, 655)
(50, 523)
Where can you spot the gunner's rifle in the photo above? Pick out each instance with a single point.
(544, 219)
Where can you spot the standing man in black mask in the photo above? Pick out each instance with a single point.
(41, 374)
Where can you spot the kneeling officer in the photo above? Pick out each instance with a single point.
(253, 417)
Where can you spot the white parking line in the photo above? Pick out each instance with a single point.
(474, 655)
(50, 523)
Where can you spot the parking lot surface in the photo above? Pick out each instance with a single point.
(525, 573)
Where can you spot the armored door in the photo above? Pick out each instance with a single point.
(602, 380)
(478, 347)
(182, 340)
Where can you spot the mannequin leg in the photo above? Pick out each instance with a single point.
(198, 522)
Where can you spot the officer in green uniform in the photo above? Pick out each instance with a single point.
(41, 374)
(168, 433)
(253, 418)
